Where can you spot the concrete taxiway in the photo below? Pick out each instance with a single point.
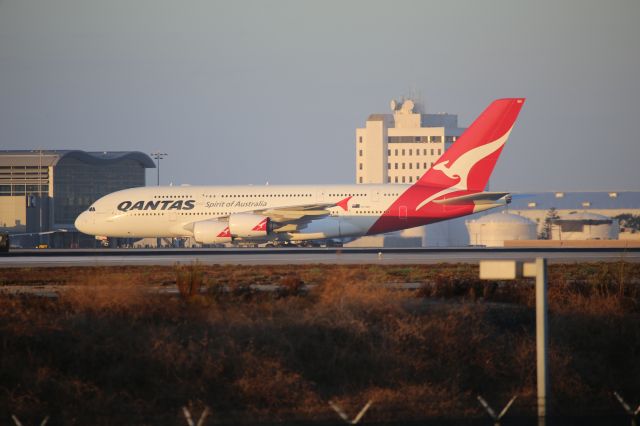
(129, 257)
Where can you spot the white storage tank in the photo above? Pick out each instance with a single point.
(584, 226)
(494, 229)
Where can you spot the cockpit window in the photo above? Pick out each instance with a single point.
(92, 209)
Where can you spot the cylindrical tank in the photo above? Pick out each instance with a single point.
(584, 226)
(494, 229)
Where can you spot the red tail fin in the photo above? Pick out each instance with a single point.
(463, 169)
(471, 159)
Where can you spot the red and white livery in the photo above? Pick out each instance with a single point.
(453, 187)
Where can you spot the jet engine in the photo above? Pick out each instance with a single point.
(328, 227)
(211, 232)
(246, 225)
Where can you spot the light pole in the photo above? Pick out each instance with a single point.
(510, 270)
(40, 198)
(158, 156)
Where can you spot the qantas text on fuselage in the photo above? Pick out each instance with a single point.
(453, 187)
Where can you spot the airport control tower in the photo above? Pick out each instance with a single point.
(398, 148)
(401, 146)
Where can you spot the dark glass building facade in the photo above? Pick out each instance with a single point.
(44, 191)
(77, 184)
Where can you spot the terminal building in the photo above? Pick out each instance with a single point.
(42, 191)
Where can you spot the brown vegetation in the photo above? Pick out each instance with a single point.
(108, 351)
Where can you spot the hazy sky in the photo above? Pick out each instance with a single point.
(253, 91)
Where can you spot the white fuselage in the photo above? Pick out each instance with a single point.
(169, 210)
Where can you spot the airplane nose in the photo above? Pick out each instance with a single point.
(82, 222)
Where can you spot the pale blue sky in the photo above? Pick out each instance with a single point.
(252, 91)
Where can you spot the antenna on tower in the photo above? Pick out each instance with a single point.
(418, 100)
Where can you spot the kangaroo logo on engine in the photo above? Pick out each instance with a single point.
(126, 206)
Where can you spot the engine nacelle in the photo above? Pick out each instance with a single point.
(246, 225)
(328, 227)
(211, 232)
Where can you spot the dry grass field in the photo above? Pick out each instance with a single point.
(109, 351)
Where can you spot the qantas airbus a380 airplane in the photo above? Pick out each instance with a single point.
(453, 187)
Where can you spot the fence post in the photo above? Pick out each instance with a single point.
(490, 411)
(17, 422)
(541, 336)
(627, 408)
(344, 416)
(189, 419)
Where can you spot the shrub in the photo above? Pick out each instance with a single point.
(189, 279)
(110, 352)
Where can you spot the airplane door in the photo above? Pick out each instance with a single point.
(173, 216)
(402, 212)
(375, 196)
(320, 196)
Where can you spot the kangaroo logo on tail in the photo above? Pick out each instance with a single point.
(462, 166)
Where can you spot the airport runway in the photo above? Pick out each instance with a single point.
(279, 256)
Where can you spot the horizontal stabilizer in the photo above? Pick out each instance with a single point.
(478, 198)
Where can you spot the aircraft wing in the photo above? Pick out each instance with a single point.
(23, 234)
(296, 213)
(290, 217)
